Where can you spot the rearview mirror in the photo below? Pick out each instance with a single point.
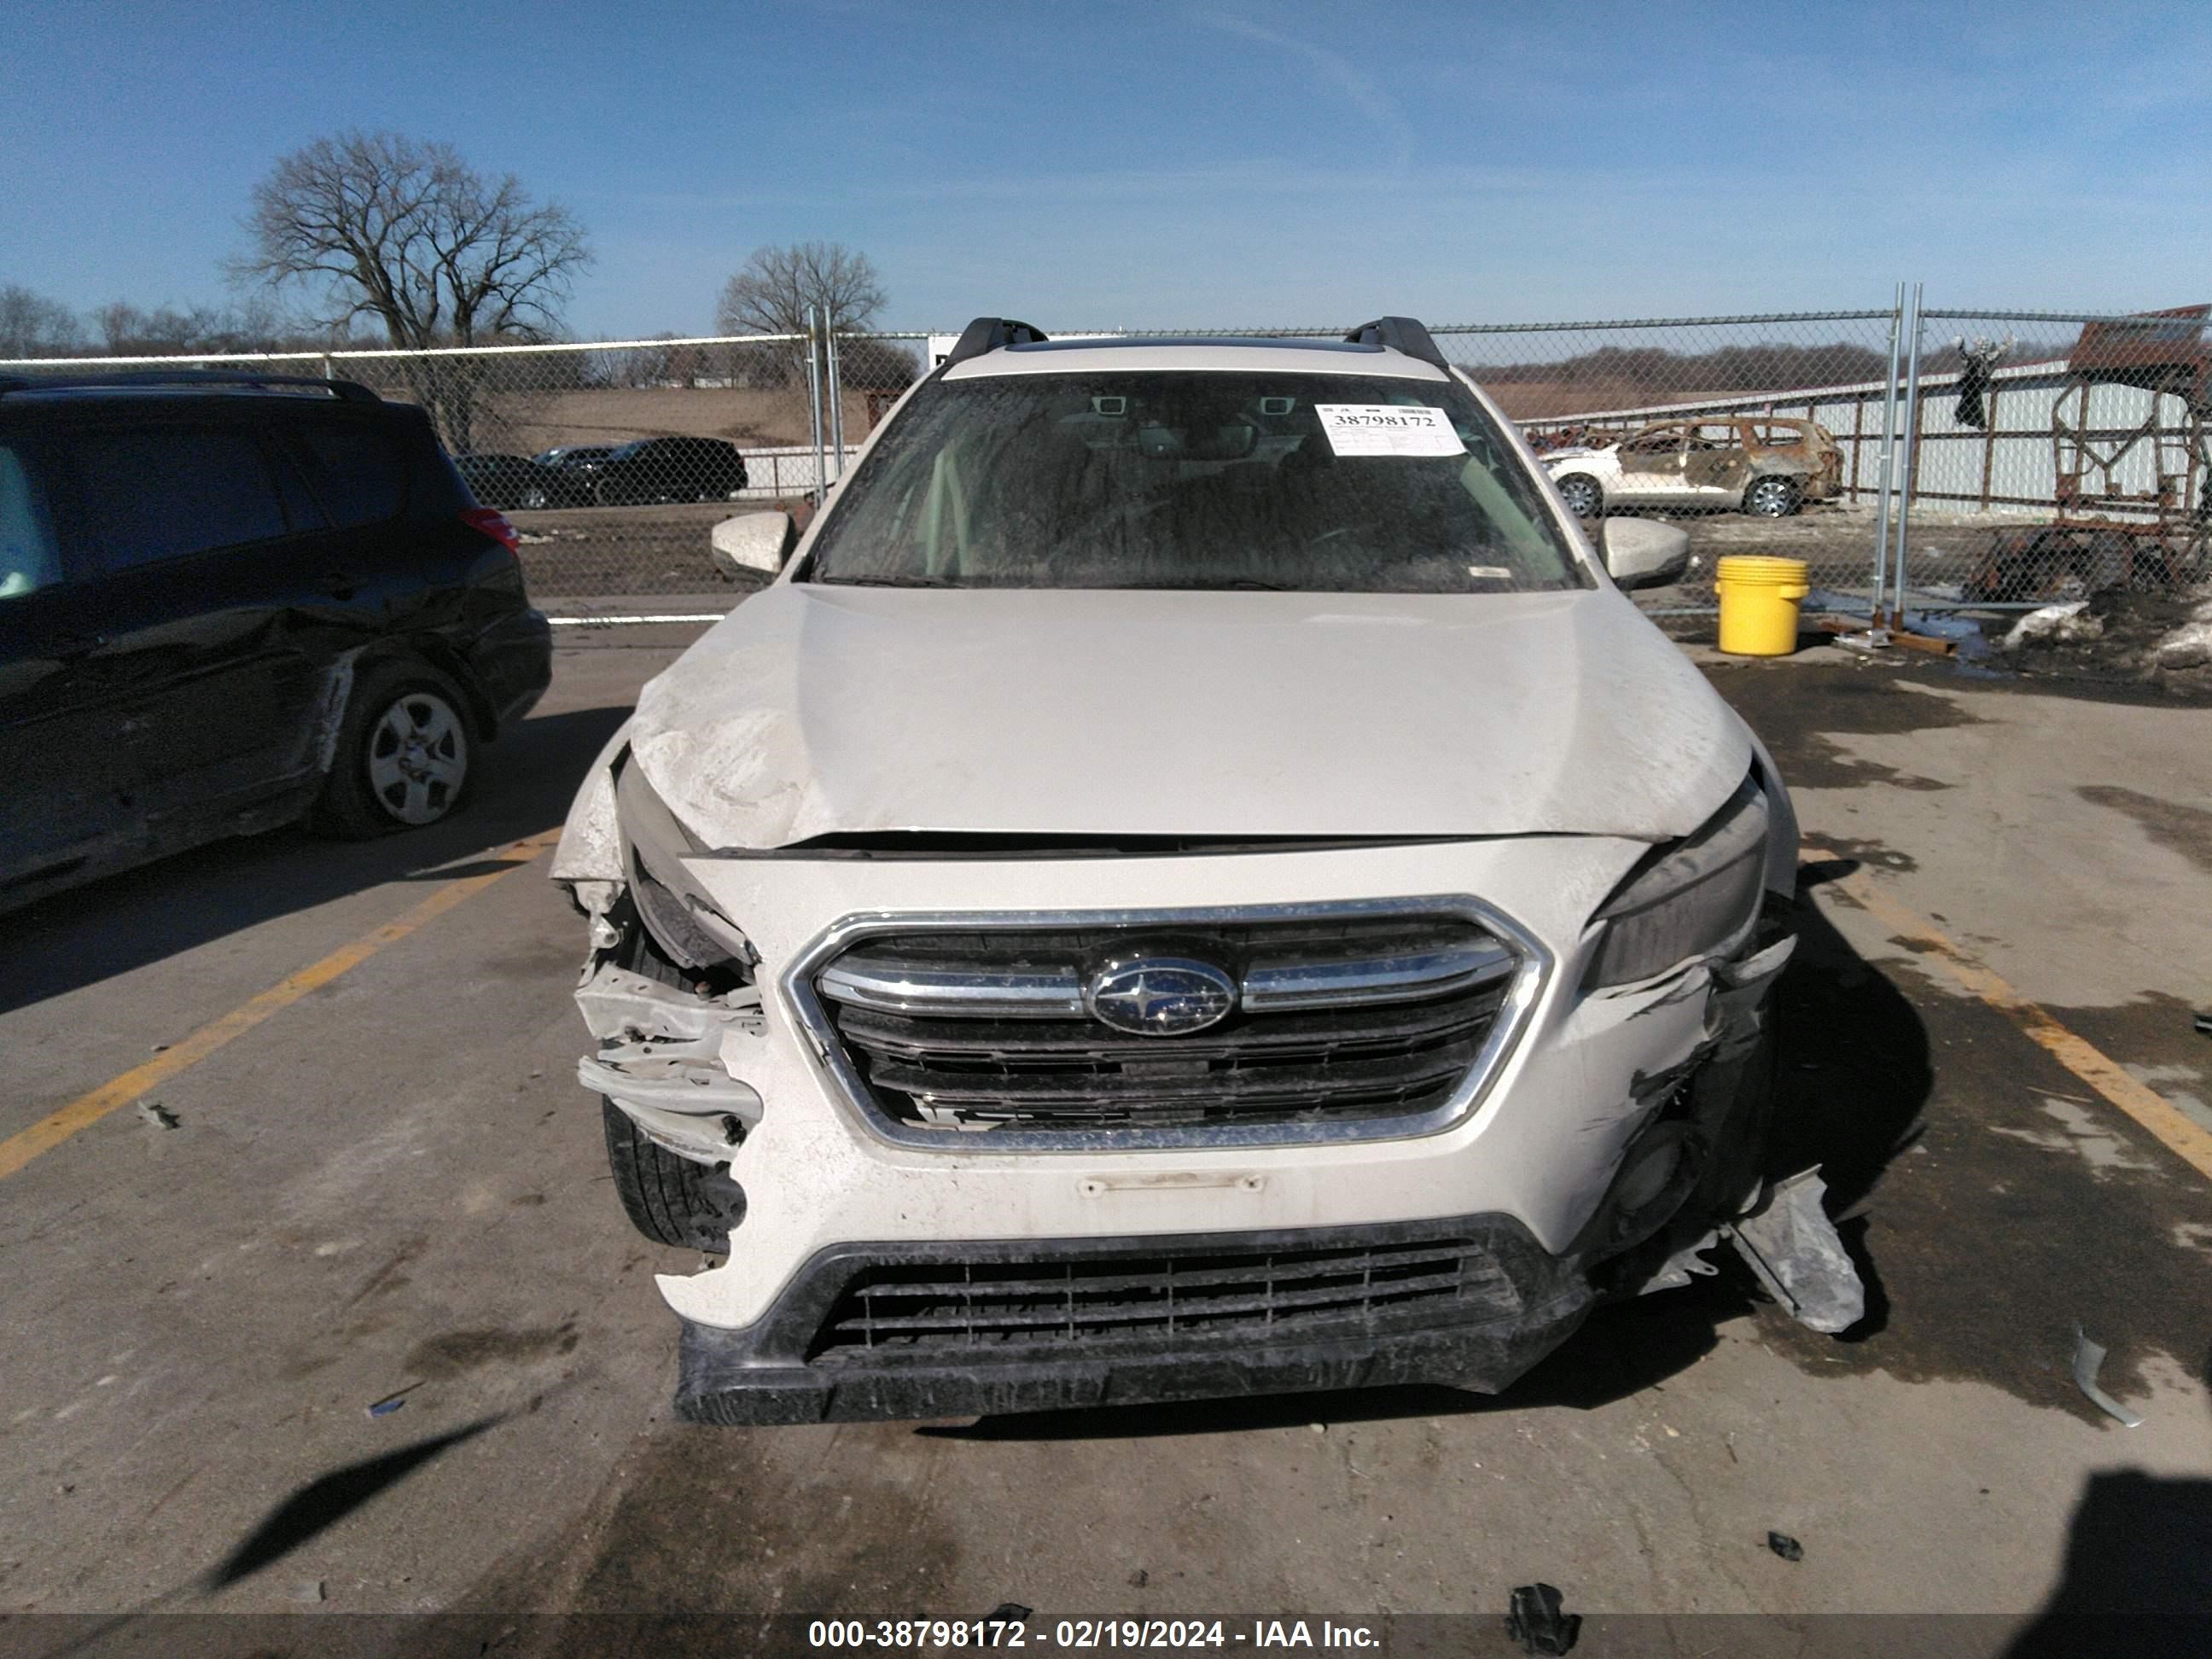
(1232, 442)
(753, 541)
(1643, 553)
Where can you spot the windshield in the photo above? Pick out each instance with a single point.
(1312, 483)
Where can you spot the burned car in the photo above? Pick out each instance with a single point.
(1762, 464)
(1191, 881)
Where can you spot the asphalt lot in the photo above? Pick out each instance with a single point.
(392, 1182)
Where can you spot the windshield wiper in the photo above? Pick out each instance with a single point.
(886, 582)
(1251, 583)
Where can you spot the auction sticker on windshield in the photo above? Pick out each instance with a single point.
(1389, 429)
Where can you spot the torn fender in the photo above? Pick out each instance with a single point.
(591, 840)
(660, 1057)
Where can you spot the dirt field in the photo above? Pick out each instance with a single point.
(601, 551)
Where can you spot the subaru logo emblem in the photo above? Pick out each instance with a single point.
(1159, 996)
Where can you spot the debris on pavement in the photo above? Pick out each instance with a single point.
(1785, 1546)
(2189, 645)
(391, 1403)
(1797, 1254)
(1010, 1612)
(158, 1115)
(1536, 1622)
(2089, 1358)
(2068, 622)
(2203, 1023)
(310, 1589)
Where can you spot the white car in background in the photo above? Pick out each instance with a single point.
(1192, 880)
(1766, 465)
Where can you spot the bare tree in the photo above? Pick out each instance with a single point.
(129, 332)
(777, 287)
(32, 325)
(405, 233)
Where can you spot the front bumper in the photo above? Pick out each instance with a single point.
(988, 1327)
(1539, 1163)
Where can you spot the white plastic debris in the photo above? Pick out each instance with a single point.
(2189, 645)
(1795, 1251)
(2066, 623)
(2088, 1359)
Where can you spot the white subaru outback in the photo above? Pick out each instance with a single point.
(1192, 880)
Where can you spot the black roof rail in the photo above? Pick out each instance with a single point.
(1404, 334)
(131, 379)
(988, 334)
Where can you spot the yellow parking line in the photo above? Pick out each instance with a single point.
(85, 1110)
(2174, 1129)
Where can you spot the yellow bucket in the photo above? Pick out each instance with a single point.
(1758, 605)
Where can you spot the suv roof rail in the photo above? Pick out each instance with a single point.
(988, 334)
(129, 379)
(1404, 334)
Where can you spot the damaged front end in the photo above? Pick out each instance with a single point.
(667, 989)
(940, 1213)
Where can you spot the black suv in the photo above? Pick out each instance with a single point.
(227, 602)
(671, 470)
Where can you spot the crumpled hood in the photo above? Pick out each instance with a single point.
(813, 710)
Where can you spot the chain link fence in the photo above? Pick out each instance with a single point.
(1760, 433)
(2037, 452)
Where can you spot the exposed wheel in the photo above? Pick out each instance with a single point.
(536, 496)
(1585, 500)
(403, 753)
(669, 1200)
(1771, 498)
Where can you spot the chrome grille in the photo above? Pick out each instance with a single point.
(1001, 1305)
(1353, 1022)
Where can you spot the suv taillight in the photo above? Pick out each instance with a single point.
(493, 523)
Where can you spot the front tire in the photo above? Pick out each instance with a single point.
(1771, 498)
(669, 1200)
(1585, 499)
(402, 756)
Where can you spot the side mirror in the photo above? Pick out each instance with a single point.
(754, 541)
(1643, 553)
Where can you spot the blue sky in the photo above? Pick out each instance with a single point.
(1206, 164)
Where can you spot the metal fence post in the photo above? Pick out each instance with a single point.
(836, 403)
(1885, 473)
(1911, 426)
(814, 403)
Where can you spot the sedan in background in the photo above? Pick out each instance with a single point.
(515, 481)
(580, 459)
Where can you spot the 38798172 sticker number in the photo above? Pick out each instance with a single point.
(1389, 429)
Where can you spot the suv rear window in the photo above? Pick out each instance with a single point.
(1310, 482)
(159, 492)
(355, 470)
(29, 558)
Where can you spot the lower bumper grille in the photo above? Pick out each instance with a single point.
(1371, 1019)
(1000, 1305)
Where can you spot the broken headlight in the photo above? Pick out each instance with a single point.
(1687, 898)
(682, 920)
